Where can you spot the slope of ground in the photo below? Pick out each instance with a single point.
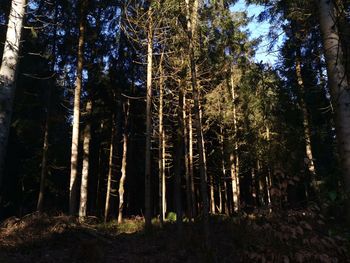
(296, 236)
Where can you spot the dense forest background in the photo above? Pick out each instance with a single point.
(158, 109)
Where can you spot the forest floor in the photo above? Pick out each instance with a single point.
(293, 236)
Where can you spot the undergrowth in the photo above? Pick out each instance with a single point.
(286, 236)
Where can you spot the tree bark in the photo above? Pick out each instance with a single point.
(124, 162)
(85, 170)
(190, 160)
(187, 167)
(222, 183)
(339, 87)
(9, 63)
(179, 158)
(148, 212)
(110, 171)
(73, 188)
(191, 28)
(307, 131)
(161, 145)
(234, 158)
(40, 203)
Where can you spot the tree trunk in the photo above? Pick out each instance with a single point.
(99, 179)
(179, 157)
(10, 59)
(161, 144)
(148, 212)
(190, 160)
(73, 188)
(124, 162)
(191, 28)
(234, 158)
(212, 194)
(187, 167)
(268, 174)
(307, 131)
(223, 186)
(40, 203)
(339, 87)
(110, 171)
(85, 170)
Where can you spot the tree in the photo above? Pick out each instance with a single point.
(73, 187)
(192, 23)
(44, 166)
(8, 72)
(86, 162)
(339, 86)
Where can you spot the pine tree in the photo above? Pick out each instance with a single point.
(9, 62)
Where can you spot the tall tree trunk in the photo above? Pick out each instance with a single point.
(148, 212)
(234, 158)
(179, 157)
(307, 131)
(190, 160)
(99, 179)
(235, 183)
(9, 62)
(161, 144)
(268, 174)
(191, 28)
(124, 161)
(73, 188)
(110, 171)
(187, 167)
(212, 194)
(223, 186)
(40, 202)
(339, 87)
(85, 170)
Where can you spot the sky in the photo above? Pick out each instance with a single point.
(259, 29)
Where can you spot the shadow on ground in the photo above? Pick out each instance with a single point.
(293, 237)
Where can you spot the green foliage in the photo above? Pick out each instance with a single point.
(171, 217)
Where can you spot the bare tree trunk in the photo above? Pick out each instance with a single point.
(161, 143)
(164, 204)
(253, 185)
(307, 132)
(212, 194)
(268, 187)
(235, 180)
(99, 178)
(40, 202)
(73, 188)
(85, 170)
(148, 212)
(187, 168)
(223, 188)
(260, 194)
(124, 162)
(190, 160)
(338, 85)
(202, 150)
(234, 158)
(191, 28)
(9, 62)
(211, 177)
(110, 171)
(268, 175)
(179, 157)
